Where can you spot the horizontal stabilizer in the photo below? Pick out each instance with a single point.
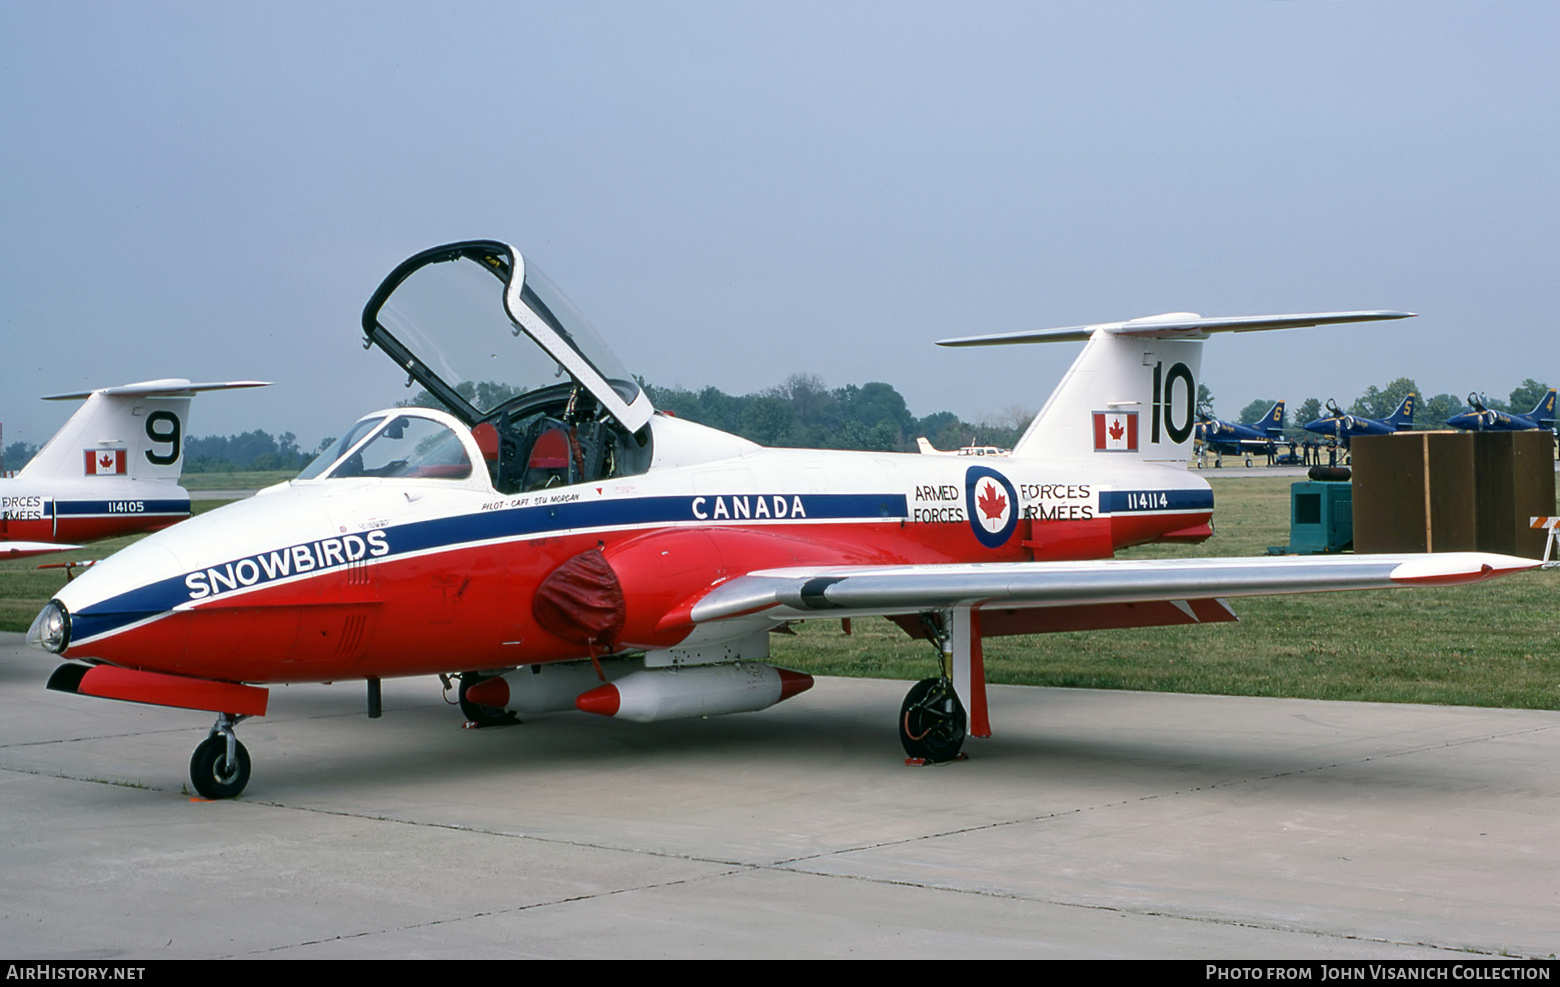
(172, 387)
(1174, 325)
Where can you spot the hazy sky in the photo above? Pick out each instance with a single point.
(739, 191)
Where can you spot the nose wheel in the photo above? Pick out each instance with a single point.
(219, 768)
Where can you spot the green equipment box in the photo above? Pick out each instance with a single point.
(1321, 517)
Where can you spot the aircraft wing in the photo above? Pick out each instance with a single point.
(22, 549)
(842, 591)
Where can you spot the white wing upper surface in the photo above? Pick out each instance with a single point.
(841, 591)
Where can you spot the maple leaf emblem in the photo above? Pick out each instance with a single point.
(1116, 431)
(105, 461)
(992, 504)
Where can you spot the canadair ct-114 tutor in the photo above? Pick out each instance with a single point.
(112, 469)
(571, 548)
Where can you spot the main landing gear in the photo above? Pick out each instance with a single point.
(932, 724)
(219, 768)
(477, 714)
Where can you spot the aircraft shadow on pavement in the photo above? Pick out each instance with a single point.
(427, 744)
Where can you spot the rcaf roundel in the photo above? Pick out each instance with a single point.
(992, 504)
(1115, 431)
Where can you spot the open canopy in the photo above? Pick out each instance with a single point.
(479, 327)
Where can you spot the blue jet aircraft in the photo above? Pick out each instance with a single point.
(1233, 438)
(1482, 419)
(1341, 426)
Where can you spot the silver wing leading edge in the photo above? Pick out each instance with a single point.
(844, 591)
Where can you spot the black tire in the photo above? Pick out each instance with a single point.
(482, 716)
(1330, 473)
(210, 773)
(931, 721)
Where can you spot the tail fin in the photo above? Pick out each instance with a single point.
(1132, 392)
(136, 431)
(1544, 412)
(1125, 395)
(1273, 421)
(1403, 417)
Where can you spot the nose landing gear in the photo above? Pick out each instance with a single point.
(219, 768)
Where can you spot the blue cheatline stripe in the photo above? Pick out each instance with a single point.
(453, 532)
(124, 507)
(1149, 501)
(512, 522)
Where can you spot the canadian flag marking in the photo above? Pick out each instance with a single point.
(1115, 431)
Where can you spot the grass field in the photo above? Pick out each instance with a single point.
(1495, 644)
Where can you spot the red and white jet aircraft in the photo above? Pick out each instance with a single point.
(112, 469)
(570, 548)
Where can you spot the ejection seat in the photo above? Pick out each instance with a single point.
(548, 465)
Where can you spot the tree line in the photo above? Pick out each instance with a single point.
(804, 413)
(257, 450)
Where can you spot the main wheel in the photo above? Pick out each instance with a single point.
(931, 721)
(212, 775)
(482, 716)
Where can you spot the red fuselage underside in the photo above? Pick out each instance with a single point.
(470, 607)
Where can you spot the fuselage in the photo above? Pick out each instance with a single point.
(317, 580)
(1345, 427)
(1342, 426)
(1491, 421)
(1480, 418)
(64, 510)
(1232, 438)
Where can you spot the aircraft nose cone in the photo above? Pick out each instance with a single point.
(50, 630)
(141, 581)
